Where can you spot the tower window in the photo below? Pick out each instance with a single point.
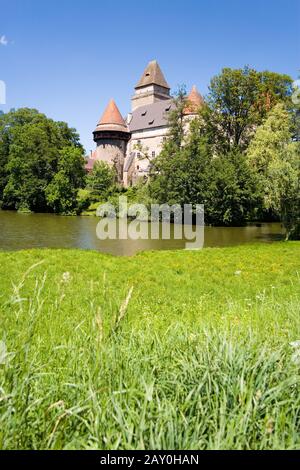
(153, 154)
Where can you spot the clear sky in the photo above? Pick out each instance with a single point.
(67, 58)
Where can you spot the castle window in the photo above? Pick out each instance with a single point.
(153, 154)
(164, 139)
(138, 155)
(139, 142)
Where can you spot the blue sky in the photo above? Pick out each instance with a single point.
(67, 58)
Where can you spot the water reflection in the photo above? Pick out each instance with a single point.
(23, 231)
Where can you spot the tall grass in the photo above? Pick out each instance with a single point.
(107, 375)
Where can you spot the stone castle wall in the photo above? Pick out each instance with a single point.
(113, 152)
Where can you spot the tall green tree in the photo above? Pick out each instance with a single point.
(178, 174)
(61, 193)
(285, 194)
(296, 113)
(233, 191)
(238, 101)
(276, 159)
(102, 180)
(4, 153)
(193, 175)
(29, 152)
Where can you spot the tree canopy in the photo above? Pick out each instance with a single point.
(101, 180)
(30, 153)
(238, 101)
(276, 159)
(212, 166)
(225, 184)
(61, 192)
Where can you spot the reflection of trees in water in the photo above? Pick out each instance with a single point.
(19, 231)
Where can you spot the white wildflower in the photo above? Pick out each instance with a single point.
(3, 352)
(66, 277)
(296, 355)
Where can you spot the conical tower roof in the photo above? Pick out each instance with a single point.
(111, 119)
(153, 76)
(195, 101)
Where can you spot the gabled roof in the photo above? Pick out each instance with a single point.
(112, 119)
(153, 76)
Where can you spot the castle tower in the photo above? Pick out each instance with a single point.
(195, 102)
(111, 136)
(152, 87)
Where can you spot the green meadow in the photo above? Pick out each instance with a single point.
(163, 350)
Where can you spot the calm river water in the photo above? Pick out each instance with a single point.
(23, 231)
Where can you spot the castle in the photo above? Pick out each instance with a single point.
(120, 140)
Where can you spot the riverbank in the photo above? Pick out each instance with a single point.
(162, 350)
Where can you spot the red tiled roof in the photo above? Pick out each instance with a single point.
(112, 115)
(195, 101)
(111, 119)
